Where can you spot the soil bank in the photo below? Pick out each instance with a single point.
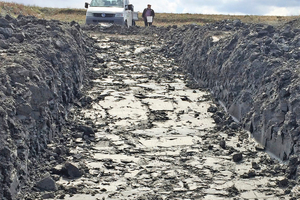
(253, 70)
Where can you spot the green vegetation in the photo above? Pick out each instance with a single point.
(161, 19)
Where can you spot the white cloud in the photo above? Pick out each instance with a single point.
(207, 10)
(243, 7)
(200, 10)
(161, 6)
(283, 11)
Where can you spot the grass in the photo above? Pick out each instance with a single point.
(161, 19)
(200, 19)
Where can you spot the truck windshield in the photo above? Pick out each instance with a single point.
(107, 3)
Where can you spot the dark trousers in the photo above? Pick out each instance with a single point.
(146, 23)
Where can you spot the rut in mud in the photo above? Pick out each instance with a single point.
(140, 132)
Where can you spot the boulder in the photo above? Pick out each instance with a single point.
(72, 170)
(237, 157)
(47, 183)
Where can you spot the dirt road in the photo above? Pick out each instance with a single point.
(141, 133)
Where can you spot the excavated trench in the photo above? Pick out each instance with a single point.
(105, 112)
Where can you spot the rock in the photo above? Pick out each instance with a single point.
(4, 23)
(60, 150)
(223, 144)
(185, 98)
(237, 22)
(294, 160)
(47, 183)
(48, 196)
(7, 32)
(212, 109)
(262, 33)
(4, 44)
(20, 36)
(259, 147)
(237, 157)
(58, 169)
(255, 165)
(232, 191)
(251, 174)
(234, 126)
(78, 135)
(283, 182)
(217, 119)
(210, 147)
(87, 130)
(72, 170)
(293, 165)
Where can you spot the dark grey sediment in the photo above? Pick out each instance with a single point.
(42, 70)
(252, 69)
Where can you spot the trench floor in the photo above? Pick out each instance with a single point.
(155, 138)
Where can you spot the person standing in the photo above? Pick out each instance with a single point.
(148, 15)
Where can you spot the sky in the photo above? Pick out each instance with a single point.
(227, 7)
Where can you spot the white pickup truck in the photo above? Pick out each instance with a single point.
(111, 11)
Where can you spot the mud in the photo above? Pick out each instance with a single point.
(106, 112)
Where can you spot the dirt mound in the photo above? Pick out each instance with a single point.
(252, 69)
(42, 70)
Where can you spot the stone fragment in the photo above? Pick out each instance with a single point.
(72, 170)
(58, 169)
(217, 119)
(4, 44)
(59, 44)
(283, 182)
(251, 174)
(87, 130)
(4, 23)
(234, 126)
(237, 22)
(20, 36)
(223, 144)
(48, 196)
(259, 147)
(47, 183)
(255, 165)
(232, 191)
(262, 33)
(212, 109)
(237, 157)
(7, 32)
(9, 18)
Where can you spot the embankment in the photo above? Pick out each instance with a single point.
(253, 69)
(42, 70)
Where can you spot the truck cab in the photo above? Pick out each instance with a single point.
(110, 11)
